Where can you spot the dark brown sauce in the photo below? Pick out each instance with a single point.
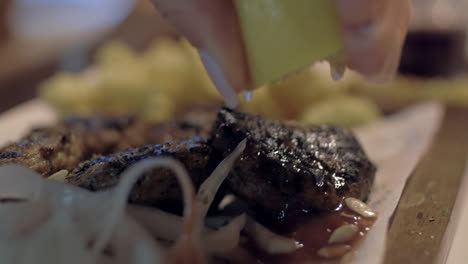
(313, 232)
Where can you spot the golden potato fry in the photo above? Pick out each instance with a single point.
(302, 89)
(170, 76)
(263, 103)
(169, 69)
(114, 53)
(158, 108)
(123, 90)
(342, 110)
(70, 93)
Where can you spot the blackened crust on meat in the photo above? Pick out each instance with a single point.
(287, 169)
(187, 126)
(156, 187)
(76, 139)
(50, 149)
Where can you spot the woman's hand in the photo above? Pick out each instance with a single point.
(373, 34)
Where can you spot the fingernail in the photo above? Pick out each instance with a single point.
(217, 77)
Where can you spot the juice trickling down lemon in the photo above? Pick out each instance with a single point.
(282, 37)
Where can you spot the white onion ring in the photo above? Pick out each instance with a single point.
(57, 220)
(128, 179)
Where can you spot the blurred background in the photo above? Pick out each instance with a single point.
(64, 49)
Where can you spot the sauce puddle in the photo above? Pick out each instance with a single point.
(313, 231)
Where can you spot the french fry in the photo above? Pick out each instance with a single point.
(342, 110)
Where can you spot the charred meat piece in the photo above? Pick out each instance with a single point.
(286, 169)
(188, 125)
(63, 146)
(155, 187)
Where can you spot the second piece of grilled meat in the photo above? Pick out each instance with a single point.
(50, 149)
(73, 140)
(156, 187)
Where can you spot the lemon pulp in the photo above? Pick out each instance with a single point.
(284, 36)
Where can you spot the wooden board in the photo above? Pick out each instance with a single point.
(422, 217)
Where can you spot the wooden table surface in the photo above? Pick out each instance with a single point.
(418, 229)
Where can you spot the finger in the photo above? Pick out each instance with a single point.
(367, 51)
(212, 26)
(377, 60)
(374, 48)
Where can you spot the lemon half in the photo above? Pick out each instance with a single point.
(282, 37)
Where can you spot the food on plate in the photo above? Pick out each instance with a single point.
(195, 122)
(155, 187)
(50, 222)
(293, 94)
(290, 188)
(169, 77)
(63, 146)
(76, 139)
(344, 110)
(298, 168)
(155, 85)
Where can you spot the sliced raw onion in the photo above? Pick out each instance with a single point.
(71, 218)
(270, 242)
(226, 238)
(128, 179)
(18, 220)
(189, 248)
(50, 227)
(151, 219)
(18, 182)
(210, 186)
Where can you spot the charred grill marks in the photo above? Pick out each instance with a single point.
(64, 146)
(155, 187)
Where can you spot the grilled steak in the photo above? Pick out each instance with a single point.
(287, 168)
(158, 186)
